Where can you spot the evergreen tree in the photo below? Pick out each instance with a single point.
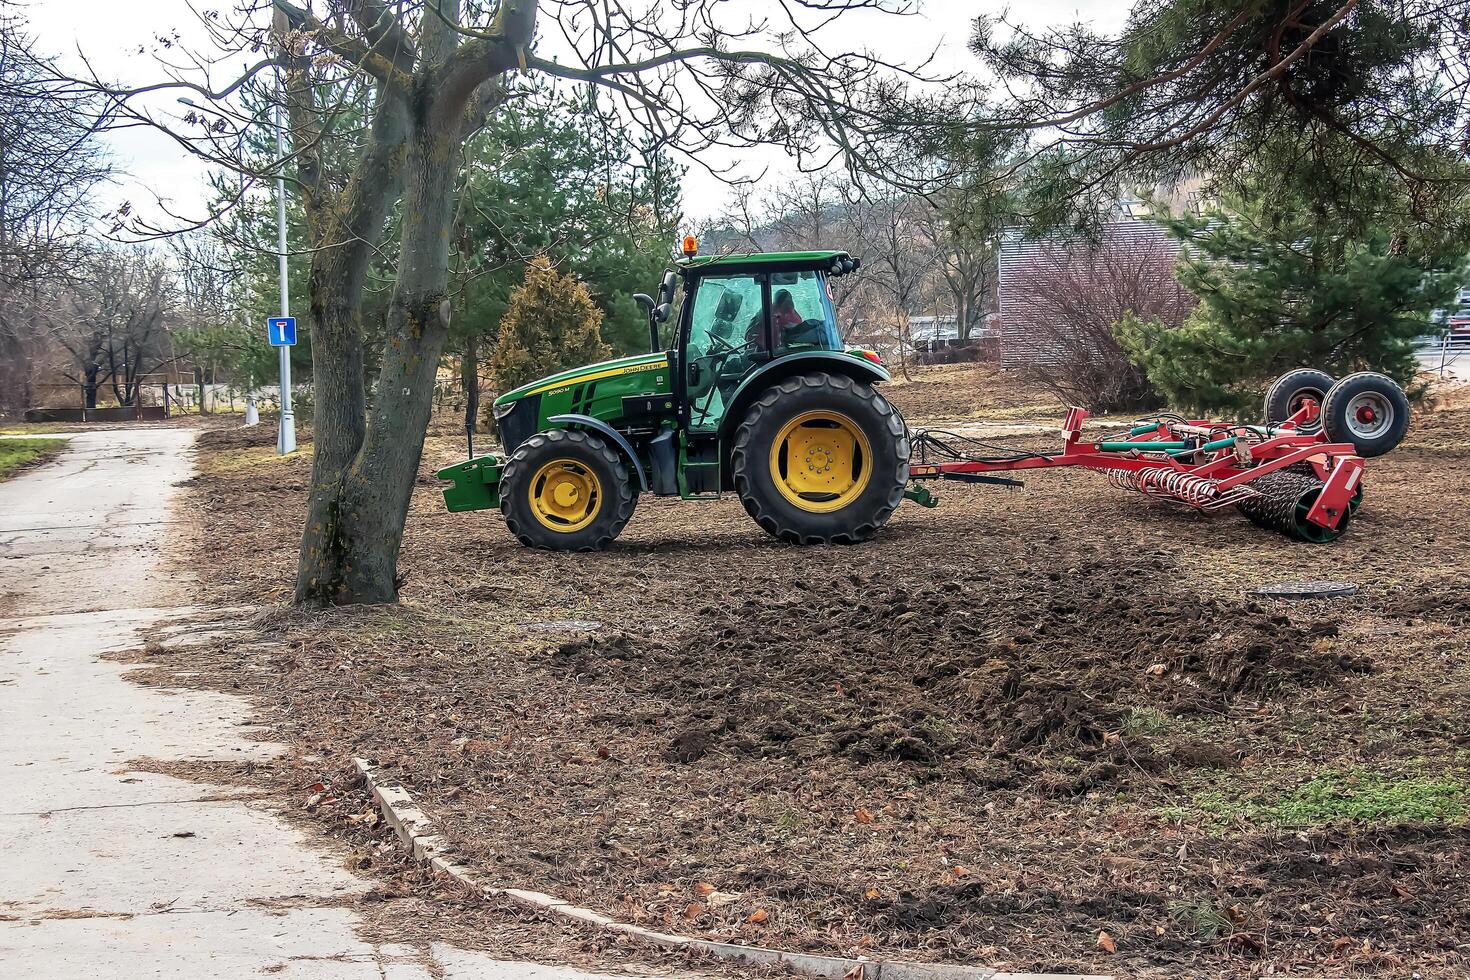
(1337, 100)
(549, 176)
(551, 323)
(1279, 290)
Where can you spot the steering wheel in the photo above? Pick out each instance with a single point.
(726, 346)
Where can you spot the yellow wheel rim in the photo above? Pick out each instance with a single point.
(565, 495)
(820, 461)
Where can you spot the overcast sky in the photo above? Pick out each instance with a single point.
(110, 32)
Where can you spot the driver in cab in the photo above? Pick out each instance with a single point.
(783, 317)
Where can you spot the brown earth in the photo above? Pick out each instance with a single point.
(1008, 725)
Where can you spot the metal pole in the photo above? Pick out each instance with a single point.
(286, 440)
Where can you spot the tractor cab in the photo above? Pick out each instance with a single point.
(747, 387)
(741, 319)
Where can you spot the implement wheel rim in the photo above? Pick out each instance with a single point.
(565, 495)
(821, 461)
(1369, 415)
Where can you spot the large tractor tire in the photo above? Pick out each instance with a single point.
(566, 490)
(821, 459)
(1285, 396)
(1368, 410)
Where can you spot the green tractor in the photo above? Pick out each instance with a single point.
(758, 395)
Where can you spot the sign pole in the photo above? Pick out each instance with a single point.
(286, 439)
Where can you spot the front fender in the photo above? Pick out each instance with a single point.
(607, 432)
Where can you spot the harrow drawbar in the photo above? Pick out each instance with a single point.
(1289, 477)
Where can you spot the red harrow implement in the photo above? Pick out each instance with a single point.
(1301, 475)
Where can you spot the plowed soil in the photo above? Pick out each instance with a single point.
(1041, 730)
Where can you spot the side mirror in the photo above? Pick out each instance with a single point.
(667, 287)
(661, 312)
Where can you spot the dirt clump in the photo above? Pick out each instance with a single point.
(873, 671)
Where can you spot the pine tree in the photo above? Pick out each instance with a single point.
(1280, 290)
(550, 324)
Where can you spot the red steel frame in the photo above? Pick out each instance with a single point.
(1337, 464)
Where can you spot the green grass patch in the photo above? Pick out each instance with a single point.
(1145, 721)
(16, 453)
(1335, 797)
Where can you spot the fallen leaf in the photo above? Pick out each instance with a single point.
(603, 752)
(759, 915)
(872, 893)
(863, 816)
(716, 899)
(856, 973)
(694, 910)
(960, 870)
(704, 888)
(1158, 670)
(1106, 943)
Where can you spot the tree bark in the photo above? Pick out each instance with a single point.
(469, 377)
(361, 493)
(371, 505)
(336, 282)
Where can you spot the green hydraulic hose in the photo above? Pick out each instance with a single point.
(1146, 447)
(1208, 447)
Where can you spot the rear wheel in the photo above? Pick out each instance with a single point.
(821, 459)
(566, 490)
(1368, 410)
(1289, 392)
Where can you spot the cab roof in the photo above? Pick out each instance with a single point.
(760, 260)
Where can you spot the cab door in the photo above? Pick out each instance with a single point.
(727, 338)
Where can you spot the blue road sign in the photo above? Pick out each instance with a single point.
(282, 330)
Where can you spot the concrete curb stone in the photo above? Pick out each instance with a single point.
(420, 834)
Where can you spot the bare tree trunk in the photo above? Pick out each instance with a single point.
(15, 372)
(360, 563)
(469, 377)
(336, 283)
(360, 501)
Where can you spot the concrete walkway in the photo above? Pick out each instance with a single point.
(112, 873)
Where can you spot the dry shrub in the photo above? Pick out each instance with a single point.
(1068, 296)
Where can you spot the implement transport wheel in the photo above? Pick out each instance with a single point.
(1288, 499)
(821, 459)
(1287, 393)
(1368, 410)
(566, 490)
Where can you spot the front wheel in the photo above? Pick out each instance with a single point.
(566, 490)
(821, 459)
